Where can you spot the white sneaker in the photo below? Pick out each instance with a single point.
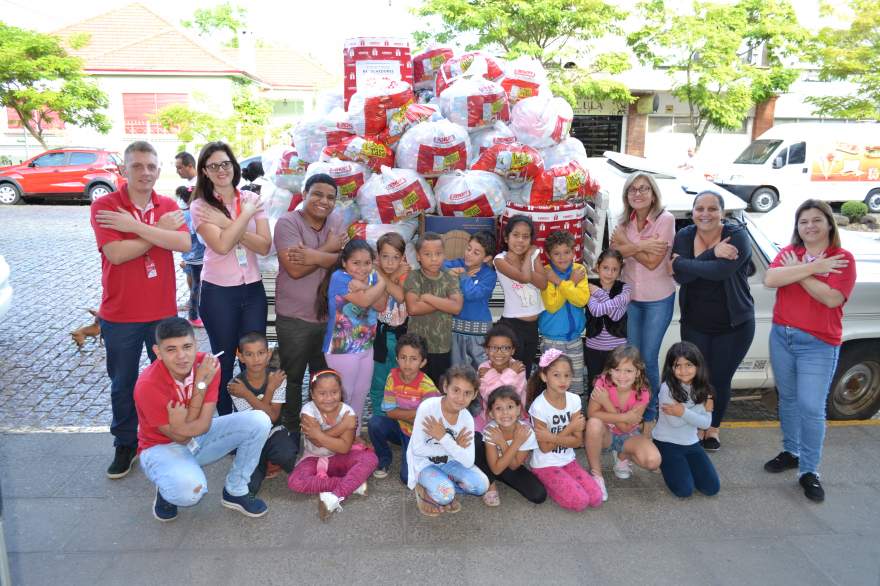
(601, 482)
(380, 473)
(328, 503)
(361, 490)
(622, 468)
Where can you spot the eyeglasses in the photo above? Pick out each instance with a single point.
(500, 348)
(633, 190)
(214, 167)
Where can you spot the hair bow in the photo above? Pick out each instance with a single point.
(548, 357)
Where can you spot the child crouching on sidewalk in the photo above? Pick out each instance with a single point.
(261, 388)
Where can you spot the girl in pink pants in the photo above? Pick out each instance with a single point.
(559, 428)
(332, 466)
(348, 299)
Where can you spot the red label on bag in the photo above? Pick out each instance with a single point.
(348, 185)
(563, 127)
(484, 110)
(438, 160)
(403, 203)
(475, 208)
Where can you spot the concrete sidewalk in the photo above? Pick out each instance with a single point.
(66, 523)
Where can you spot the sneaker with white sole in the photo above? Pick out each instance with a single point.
(381, 472)
(328, 503)
(246, 504)
(601, 482)
(361, 490)
(162, 509)
(622, 468)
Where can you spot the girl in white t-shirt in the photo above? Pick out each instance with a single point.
(440, 454)
(522, 278)
(504, 446)
(559, 428)
(332, 465)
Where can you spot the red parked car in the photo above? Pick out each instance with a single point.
(70, 172)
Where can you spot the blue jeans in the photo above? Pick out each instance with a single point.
(177, 472)
(124, 343)
(803, 366)
(686, 468)
(383, 429)
(229, 313)
(646, 324)
(468, 350)
(443, 481)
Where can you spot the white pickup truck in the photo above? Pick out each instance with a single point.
(855, 390)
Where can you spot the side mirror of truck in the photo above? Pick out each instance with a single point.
(778, 162)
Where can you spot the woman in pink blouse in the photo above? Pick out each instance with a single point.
(644, 238)
(235, 231)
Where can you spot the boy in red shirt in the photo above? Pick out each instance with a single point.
(177, 434)
(136, 231)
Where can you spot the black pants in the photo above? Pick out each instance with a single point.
(521, 480)
(723, 354)
(437, 366)
(281, 449)
(300, 344)
(528, 340)
(594, 361)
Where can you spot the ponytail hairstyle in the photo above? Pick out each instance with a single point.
(701, 388)
(536, 384)
(630, 353)
(321, 375)
(462, 371)
(322, 302)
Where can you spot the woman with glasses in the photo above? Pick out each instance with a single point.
(644, 237)
(712, 261)
(235, 230)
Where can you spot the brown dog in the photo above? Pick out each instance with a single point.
(93, 330)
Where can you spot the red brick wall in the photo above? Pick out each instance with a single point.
(765, 114)
(636, 127)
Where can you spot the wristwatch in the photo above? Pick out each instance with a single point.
(202, 386)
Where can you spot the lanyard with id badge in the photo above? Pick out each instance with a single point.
(240, 252)
(184, 395)
(148, 218)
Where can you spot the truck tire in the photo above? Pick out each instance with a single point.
(763, 200)
(9, 194)
(855, 389)
(873, 201)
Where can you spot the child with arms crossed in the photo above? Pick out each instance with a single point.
(620, 396)
(477, 281)
(559, 428)
(332, 466)
(505, 445)
(606, 314)
(501, 369)
(562, 321)
(685, 406)
(441, 450)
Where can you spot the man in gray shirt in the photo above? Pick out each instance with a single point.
(308, 242)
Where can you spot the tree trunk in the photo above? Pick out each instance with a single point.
(36, 133)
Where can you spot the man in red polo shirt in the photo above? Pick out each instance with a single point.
(136, 230)
(178, 433)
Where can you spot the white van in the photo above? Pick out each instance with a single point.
(834, 162)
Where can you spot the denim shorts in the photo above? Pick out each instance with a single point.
(617, 441)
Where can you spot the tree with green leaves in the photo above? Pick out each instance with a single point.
(40, 82)
(555, 32)
(723, 58)
(225, 19)
(850, 54)
(245, 130)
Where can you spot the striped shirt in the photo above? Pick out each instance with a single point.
(601, 304)
(406, 395)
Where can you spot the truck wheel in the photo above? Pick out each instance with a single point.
(764, 200)
(873, 201)
(9, 194)
(855, 389)
(98, 190)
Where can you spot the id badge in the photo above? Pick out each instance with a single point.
(241, 255)
(150, 267)
(193, 446)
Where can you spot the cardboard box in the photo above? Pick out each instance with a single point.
(365, 57)
(456, 231)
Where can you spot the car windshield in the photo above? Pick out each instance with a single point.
(758, 152)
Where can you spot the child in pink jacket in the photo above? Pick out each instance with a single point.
(500, 369)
